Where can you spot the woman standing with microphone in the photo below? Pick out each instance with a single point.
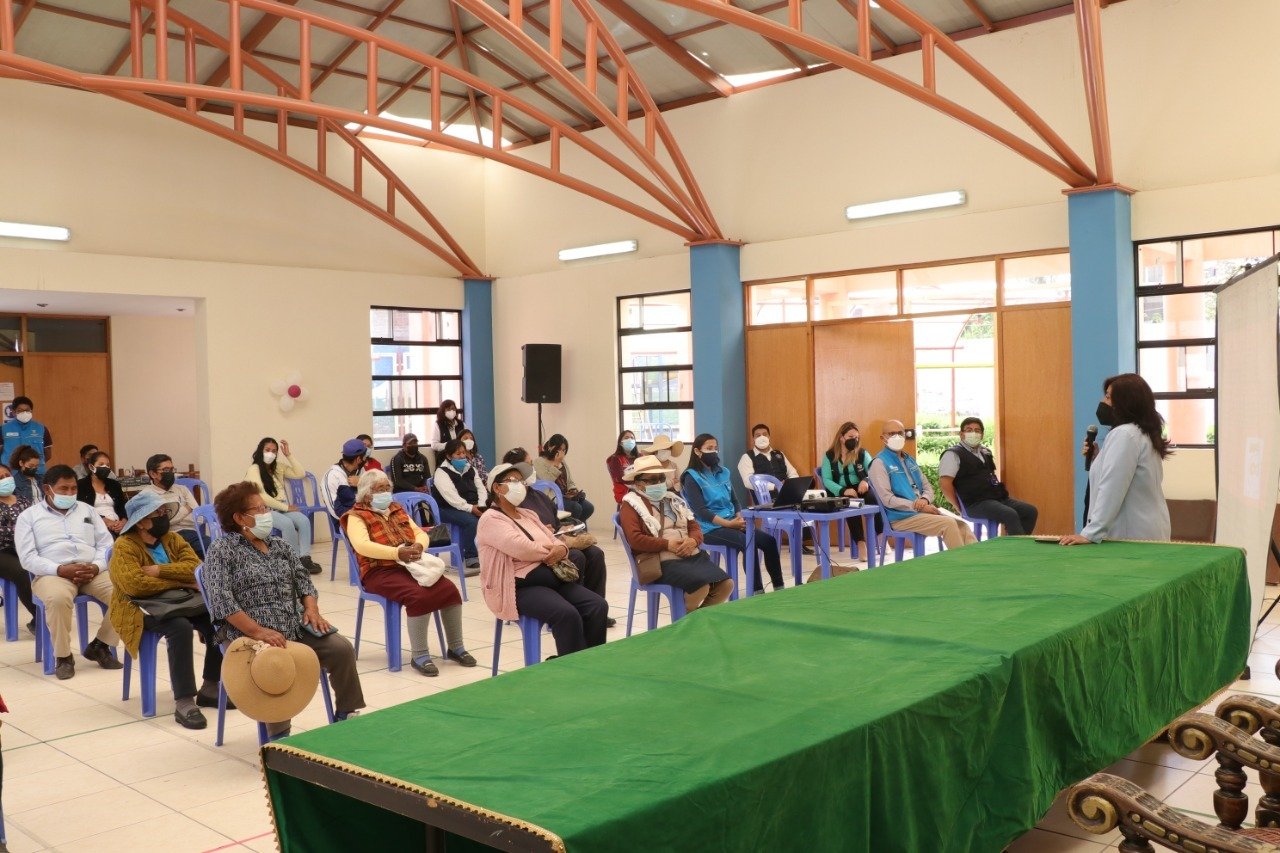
(1125, 481)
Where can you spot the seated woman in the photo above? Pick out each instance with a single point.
(25, 465)
(666, 539)
(268, 473)
(624, 454)
(102, 492)
(258, 588)
(844, 472)
(370, 463)
(517, 553)
(550, 465)
(11, 506)
(710, 494)
(667, 452)
(149, 559)
(461, 495)
(383, 537)
(473, 453)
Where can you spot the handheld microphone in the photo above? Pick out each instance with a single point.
(1090, 436)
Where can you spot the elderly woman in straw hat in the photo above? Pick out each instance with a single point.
(667, 452)
(666, 538)
(385, 540)
(258, 588)
(153, 573)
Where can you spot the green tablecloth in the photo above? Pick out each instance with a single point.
(935, 705)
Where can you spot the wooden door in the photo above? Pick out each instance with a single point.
(1036, 455)
(780, 390)
(863, 372)
(72, 396)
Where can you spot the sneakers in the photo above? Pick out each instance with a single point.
(100, 653)
(425, 665)
(65, 668)
(463, 657)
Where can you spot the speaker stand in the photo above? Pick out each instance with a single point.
(539, 426)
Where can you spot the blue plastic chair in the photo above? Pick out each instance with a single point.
(551, 490)
(335, 535)
(44, 642)
(530, 633)
(208, 528)
(981, 526)
(898, 537)
(199, 488)
(309, 505)
(391, 613)
(654, 591)
(148, 658)
(222, 691)
(411, 501)
(9, 590)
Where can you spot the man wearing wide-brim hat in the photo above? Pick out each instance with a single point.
(154, 575)
(667, 451)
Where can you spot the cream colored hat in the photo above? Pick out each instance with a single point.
(644, 465)
(664, 442)
(267, 683)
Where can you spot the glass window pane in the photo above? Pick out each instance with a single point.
(1043, 278)
(1181, 315)
(867, 295)
(11, 334)
(379, 323)
(1188, 421)
(1178, 368)
(949, 288)
(46, 334)
(450, 322)
(648, 424)
(666, 310)
(413, 326)
(1215, 260)
(779, 302)
(956, 339)
(659, 348)
(405, 360)
(388, 430)
(629, 313)
(657, 386)
(1159, 264)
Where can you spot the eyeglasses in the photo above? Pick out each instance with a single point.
(897, 432)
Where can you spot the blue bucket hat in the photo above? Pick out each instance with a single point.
(141, 505)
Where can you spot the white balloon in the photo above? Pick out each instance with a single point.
(294, 378)
(286, 403)
(303, 393)
(279, 388)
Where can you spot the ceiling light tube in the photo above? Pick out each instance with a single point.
(34, 232)
(619, 247)
(952, 198)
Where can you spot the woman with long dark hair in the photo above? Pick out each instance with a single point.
(448, 425)
(550, 465)
(623, 457)
(268, 473)
(1125, 481)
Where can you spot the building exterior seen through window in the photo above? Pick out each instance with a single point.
(416, 361)
(655, 366)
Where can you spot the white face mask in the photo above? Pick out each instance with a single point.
(450, 415)
(516, 493)
(23, 417)
(468, 444)
(762, 442)
(896, 443)
(663, 455)
(268, 457)
(262, 526)
(973, 439)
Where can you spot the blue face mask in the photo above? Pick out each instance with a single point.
(459, 464)
(64, 502)
(7, 485)
(381, 501)
(628, 444)
(655, 491)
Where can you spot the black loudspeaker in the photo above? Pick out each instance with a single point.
(541, 373)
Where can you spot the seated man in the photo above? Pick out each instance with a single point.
(180, 499)
(64, 543)
(967, 471)
(763, 458)
(409, 469)
(339, 492)
(907, 495)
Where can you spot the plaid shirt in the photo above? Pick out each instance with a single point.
(237, 576)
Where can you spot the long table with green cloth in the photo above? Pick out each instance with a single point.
(937, 704)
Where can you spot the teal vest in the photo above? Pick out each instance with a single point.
(904, 478)
(17, 434)
(717, 492)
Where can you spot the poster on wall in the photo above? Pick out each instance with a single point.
(6, 399)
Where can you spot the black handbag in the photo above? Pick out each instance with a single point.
(171, 604)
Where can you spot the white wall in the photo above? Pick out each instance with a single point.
(153, 378)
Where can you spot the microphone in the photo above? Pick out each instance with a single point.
(1090, 436)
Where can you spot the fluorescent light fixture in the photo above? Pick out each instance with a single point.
(620, 247)
(952, 198)
(34, 232)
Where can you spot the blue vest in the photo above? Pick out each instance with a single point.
(717, 493)
(905, 479)
(17, 434)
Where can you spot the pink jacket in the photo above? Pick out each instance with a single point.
(506, 554)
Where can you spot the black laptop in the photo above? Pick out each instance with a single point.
(791, 495)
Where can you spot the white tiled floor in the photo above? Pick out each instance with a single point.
(84, 771)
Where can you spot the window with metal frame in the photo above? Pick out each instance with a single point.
(655, 366)
(416, 362)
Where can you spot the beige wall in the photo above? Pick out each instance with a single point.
(154, 379)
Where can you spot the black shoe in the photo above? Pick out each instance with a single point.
(464, 657)
(66, 668)
(609, 622)
(426, 666)
(311, 565)
(191, 719)
(212, 701)
(100, 653)
(31, 627)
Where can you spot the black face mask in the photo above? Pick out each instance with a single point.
(30, 472)
(166, 480)
(159, 526)
(711, 459)
(851, 444)
(1105, 414)
(102, 472)
(411, 450)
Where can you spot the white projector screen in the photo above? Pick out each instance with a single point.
(1248, 431)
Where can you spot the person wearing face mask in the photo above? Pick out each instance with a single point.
(667, 452)
(711, 497)
(907, 495)
(844, 473)
(64, 544)
(103, 493)
(967, 473)
(150, 559)
(447, 426)
(24, 462)
(551, 465)
(24, 429)
(666, 539)
(268, 473)
(85, 468)
(623, 456)
(409, 468)
(257, 587)
(1126, 480)
(181, 501)
(339, 487)
(370, 463)
(461, 495)
(517, 553)
(12, 506)
(468, 439)
(384, 538)
(763, 458)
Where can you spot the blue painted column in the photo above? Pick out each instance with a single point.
(1103, 307)
(719, 354)
(477, 363)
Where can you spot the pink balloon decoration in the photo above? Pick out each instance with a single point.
(295, 391)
